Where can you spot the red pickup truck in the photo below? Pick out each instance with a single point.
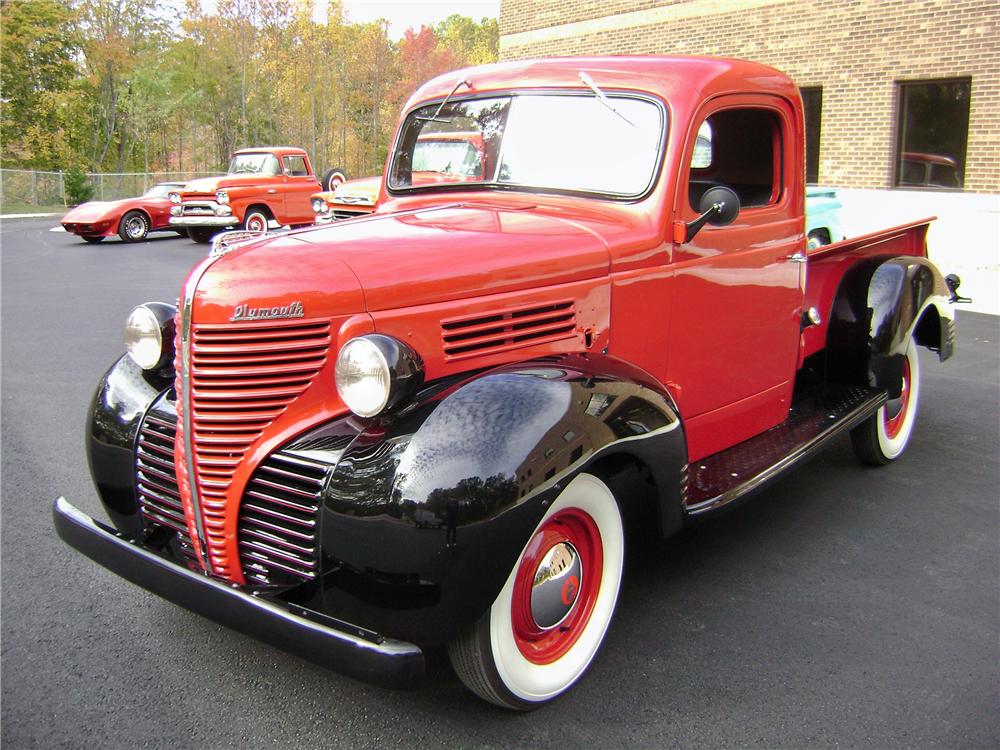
(261, 186)
(436, 425)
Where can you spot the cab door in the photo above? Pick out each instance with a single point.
(299, 185)
(738, 289)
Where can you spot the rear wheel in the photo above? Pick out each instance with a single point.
(546, 626)
(882, 438)
(133, 227)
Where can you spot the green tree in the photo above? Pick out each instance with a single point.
(37, 77)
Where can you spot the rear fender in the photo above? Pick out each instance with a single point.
(880, 304)
(430, 509)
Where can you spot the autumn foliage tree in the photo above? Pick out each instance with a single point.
(142, 85)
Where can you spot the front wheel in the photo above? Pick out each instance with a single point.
(546, 626)
(882, 438)
(202, 235)
(255, 221)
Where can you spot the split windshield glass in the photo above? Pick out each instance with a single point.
(560, 142)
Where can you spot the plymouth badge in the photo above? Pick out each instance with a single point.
(245, 312)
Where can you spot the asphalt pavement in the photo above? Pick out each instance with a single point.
(843, 607)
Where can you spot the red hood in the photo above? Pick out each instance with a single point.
(95, 210)
(456, 252)
(211, 184)
(391, 261)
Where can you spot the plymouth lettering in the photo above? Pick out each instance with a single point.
(245, 312)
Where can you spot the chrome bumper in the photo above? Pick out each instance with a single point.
(203, 221)
(313, 636)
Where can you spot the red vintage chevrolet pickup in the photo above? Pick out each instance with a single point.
(262, 185)
(436, 425)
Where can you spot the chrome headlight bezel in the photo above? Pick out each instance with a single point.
(222, 197)
(149, 335)
(175, 198)
(375, 373)
(319, 205)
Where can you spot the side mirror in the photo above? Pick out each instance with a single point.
(719, 206)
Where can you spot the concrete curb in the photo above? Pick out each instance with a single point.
(25, 216)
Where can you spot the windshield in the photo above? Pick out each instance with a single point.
(161, 191)
(254, 164)
(560, 142)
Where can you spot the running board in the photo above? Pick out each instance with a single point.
(816, 417)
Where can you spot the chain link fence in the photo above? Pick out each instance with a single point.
(25, 189)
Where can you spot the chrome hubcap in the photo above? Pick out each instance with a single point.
(556, 585)
(135, 227)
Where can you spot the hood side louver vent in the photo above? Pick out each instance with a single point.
(487, 333)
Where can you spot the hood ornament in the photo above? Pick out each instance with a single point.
(245, 312)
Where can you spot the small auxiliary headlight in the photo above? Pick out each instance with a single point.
(149, 335)
(174, 197)
(319, 205)
(376, 372)
(221, 196)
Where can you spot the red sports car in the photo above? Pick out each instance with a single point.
(131, 219)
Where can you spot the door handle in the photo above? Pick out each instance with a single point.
(799, 257)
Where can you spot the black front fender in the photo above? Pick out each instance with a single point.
(122, 398)
(428, 511)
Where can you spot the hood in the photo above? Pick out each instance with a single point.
(93, 211)
(275, 274)
(211, 184)
(451, 252)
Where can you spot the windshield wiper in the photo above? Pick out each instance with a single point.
(434, 117)
(602, 98)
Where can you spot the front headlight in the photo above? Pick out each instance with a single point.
(319, 205)
(221, 196)
(149, 335)
(376, 372)
(174, 197)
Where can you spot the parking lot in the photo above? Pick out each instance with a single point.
(844, 606)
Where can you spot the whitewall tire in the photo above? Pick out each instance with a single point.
(883, 437)
(549, 620)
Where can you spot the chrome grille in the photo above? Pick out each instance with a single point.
(243, 378)
(279, 517)
(156, 477)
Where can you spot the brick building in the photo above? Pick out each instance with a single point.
(902, 96)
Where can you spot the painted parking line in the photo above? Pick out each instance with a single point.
(57, 229)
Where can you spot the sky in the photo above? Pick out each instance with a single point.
(405, 13)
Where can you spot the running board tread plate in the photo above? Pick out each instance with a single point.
(815, 417)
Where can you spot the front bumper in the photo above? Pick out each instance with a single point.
(322, 640)
(203, 221)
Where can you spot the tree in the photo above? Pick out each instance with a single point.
(37, 78)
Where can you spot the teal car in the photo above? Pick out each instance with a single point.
(822, 217)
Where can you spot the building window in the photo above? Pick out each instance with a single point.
(812, 103)
(932, 135)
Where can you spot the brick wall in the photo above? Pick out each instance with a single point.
(857, 51)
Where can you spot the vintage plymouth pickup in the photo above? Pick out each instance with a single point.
(434, 426)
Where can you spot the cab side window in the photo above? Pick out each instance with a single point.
(739, 149)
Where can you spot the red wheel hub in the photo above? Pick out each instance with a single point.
(556, 586)
(894, 423)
